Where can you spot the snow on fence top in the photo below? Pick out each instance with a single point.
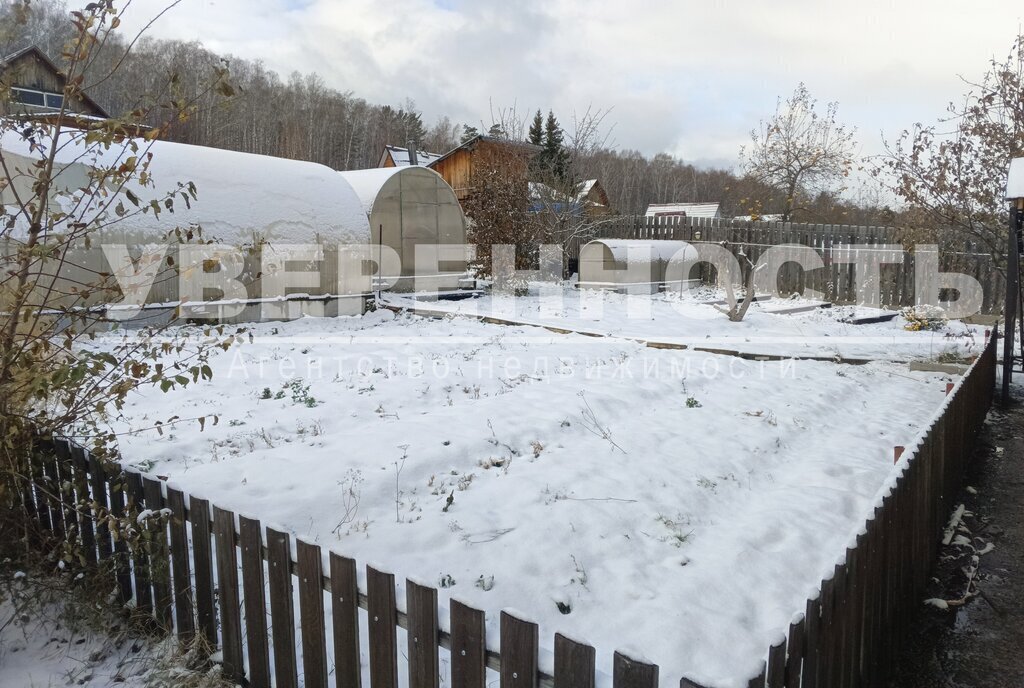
(240, 196)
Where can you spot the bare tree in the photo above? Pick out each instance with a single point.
(799, 150)
(953, 175)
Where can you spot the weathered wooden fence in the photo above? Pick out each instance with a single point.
(203, 571)
(838, 246)
(849, 634)
(186, 578)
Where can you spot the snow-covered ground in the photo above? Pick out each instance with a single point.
(691, 320)
(678, 502)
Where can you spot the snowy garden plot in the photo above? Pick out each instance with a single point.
(681, 503)
(691, 319)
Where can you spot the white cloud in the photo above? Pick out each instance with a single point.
(689, 78)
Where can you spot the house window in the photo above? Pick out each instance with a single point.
(43, 99)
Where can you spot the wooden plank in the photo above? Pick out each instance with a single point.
(421, 611)
(140, 560)
(468, 647)
(345, 621)
(574, 663)
(518, 652)
(254, 601)
(86, 523)
(795, 654)
(51, 485)
(181, 570)
(202, 557)
(311, 614)
(98, 481)
(121, 556)
(383, 618)
(812, 632)
(777, 665)
(159, 561)
(227, 587)
(282, 614)
(630, 673)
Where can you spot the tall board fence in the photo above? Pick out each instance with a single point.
(838, 246)
(202, 571)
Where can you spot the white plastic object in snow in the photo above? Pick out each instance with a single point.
(1015, 180)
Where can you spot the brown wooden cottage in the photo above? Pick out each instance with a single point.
(37, 90)
(457, 165)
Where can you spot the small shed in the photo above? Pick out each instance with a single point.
(410, 207)
(630, 266)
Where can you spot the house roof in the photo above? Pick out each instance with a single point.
(484, 138)
(33, 49)
(400, 156)
(690, 209)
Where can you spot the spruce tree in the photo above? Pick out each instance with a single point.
(555, 157)
(537, 130)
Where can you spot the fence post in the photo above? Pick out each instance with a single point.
(574, 663)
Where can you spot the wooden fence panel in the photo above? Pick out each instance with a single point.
(86, 523)
(98, 480)
(159, 561)
(202, 557)
(250, 538)
(310, 571)
(122, 558)
(181, 570)
(574, 663)
(630, 673)
(282, 614)
(383, 617)
(140, 560)
(227, 587)
(518, 653)
(421, 610)
(345, 621)
(468, 647)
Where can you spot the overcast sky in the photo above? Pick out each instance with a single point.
(687, 78)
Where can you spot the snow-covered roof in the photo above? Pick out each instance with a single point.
(238, 194)
(690, 209)
(644, 251)
(760, 218)
(400, 156)
(1015, 180)
(366, 184)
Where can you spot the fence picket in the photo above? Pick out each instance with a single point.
(421, 610)
(468, 647)
(202, 557)
(159, 562)
(383, 617)
(86, 524)
(282, 614)
(254, 601)
(98, 480)
(310, 570)
(518, 652)
(140, 560)
(227, 587)
(574, 663)
(345, 621)
(122, 559)
(631, 673)
(184, 620)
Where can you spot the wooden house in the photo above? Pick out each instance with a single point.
(457, 165)
(37, 90)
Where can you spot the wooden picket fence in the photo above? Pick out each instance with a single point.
(186, 578)
(850, 634)
(838, 246)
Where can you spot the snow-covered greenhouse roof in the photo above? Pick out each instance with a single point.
(240, 196)
(644, 251)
